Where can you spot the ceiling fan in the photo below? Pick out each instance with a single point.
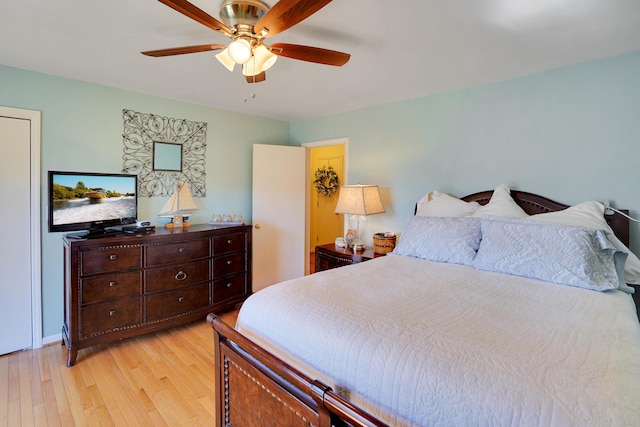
(248, 23)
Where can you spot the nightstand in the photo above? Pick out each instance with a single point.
(329, 256)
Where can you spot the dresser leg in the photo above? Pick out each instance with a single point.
(72, 353)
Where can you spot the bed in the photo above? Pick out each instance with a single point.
(411, 339)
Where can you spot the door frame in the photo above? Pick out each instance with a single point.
(308, 146)
(35, 119)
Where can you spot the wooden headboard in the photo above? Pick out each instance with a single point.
(535, 204)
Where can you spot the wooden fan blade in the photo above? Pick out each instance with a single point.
(183, 50)
(287, 13)
(310, 54)
(197, 14)
(257, 78)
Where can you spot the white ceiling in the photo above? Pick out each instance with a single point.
(400, 49)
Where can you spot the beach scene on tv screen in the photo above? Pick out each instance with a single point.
(86, 198)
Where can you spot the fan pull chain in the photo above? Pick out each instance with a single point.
(253, 96)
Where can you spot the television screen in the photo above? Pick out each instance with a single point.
(91, 201)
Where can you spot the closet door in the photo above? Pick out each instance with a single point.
(15, 234)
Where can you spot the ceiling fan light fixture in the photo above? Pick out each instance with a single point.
(225, 59)
(240, 50)
(248, 23)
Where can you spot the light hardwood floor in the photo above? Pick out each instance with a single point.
(159, 379)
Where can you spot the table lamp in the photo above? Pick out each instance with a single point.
(359, 201)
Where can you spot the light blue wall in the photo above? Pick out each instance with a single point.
(571, 134)
(82, 128)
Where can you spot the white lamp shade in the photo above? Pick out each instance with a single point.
(359, 200)
(239, 51)
(225, 59)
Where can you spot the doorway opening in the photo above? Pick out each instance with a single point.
(323, 225)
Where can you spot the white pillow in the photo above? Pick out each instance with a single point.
(591, 215)
(441, 239)
(501, 204)
(435, 203)
(556, 253)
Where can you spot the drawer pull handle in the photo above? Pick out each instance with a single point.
(112, 312)
(112, 257)
(112, 284)
(181, 275)
(181, 299)
(181, 250)
(229, 262)
(229, 241)
(228, 285)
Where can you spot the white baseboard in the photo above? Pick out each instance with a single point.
(51, 339)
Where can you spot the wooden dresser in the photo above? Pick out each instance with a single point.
(127, 285)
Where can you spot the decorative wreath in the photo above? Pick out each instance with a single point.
(326, 182)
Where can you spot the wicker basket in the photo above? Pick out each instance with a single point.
(383, 244)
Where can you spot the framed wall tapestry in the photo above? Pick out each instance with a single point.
(164, 152)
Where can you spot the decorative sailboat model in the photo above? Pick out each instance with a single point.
(179, 207)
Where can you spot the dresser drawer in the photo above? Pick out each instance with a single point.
(111, 259)
(109, 286)
(176, 302)
(105, 317)
(235, 242)
(177, 252)
(326, 263)
(229, 288)
(229, 264)
(177, 276)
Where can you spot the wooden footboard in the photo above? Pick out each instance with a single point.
(255, 388)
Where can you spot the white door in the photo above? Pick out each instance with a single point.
(18, 234)
(279, 214)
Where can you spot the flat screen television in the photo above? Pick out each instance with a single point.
(94, 203)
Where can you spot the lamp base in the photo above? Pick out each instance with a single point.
(358, 247)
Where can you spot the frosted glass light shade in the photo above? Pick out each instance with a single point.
(251, 68)
(239, 51)
(225, 59)
(264, 58)
(261, 60)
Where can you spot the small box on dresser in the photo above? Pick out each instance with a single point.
(123, 286)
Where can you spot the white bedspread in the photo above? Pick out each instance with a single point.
(422, 343)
